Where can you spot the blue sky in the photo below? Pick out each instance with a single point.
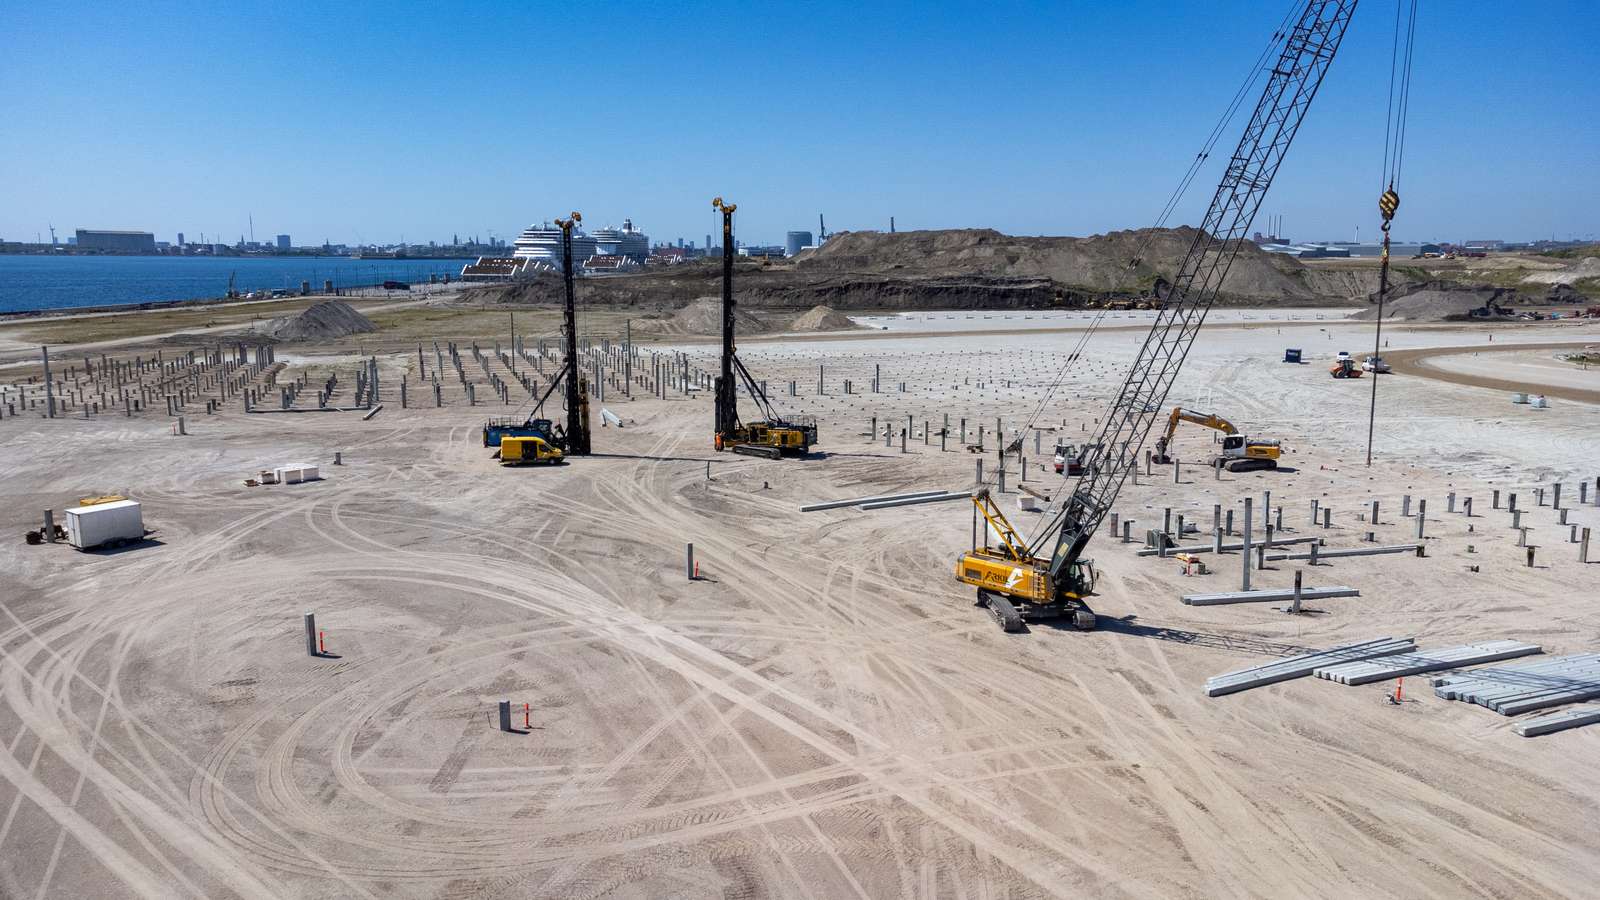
(376, 122)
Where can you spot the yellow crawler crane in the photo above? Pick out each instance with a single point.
(1017, 573)
(1013, 583)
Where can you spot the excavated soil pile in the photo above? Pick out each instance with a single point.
(325, 321)
(1443, 301)
(822, 318)
(954, 269)
(542, 288)
(1097, 263)
(1588, 267)
(703, 316)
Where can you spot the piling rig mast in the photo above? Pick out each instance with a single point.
(772, 436)
(1015, 581)
(577, 435)
(573, 438)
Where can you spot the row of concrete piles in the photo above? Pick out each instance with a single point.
(173, 383)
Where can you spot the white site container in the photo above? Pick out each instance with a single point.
(112, 523)
(296, 473)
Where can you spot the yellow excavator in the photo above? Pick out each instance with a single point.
(1239, 453)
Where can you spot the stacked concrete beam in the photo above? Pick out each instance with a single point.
(1269, 596)
(914, 501)
(1561, 721)
(1404, 664)
(1510, 690)
(837, 504)
(1304, 664)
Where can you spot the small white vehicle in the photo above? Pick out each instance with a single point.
(1375, 365)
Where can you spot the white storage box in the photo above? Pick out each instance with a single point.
(296, 473)
(103, 524)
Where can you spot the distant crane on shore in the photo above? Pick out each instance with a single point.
(52, 235)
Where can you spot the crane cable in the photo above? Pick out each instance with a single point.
(1394, 150)
(1252, 75)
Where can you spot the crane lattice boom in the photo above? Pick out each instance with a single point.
(1308, 49)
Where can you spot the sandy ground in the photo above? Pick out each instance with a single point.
(823, 713)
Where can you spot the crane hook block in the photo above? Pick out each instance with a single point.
(1388, 203)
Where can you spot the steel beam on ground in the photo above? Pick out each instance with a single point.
(1324, 553)
(1211, 547)
(1269, 595)
(836, 504)
(913, 501)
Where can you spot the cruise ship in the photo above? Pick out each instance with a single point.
(542, 243)
(625, 241)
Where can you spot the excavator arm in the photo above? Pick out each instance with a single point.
(1308, 49)
(1179, 414)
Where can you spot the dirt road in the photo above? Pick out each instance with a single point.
(1501, 372)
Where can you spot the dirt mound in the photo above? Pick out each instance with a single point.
(1588, 267)
(822, 318)
(1358, 284)
(542, 288)
(1443, 301)
(703, 316)
(325, 321)
(1119, 260)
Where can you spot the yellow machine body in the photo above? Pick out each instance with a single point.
(991, 569)
(782, 438)
(523, 451)
(764, 439)
(1238, 447)
(1015, 585)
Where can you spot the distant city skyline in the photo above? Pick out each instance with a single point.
(1029, 119)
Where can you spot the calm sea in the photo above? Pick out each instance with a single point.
(62, 282)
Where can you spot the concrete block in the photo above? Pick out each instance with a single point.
(1568, 718)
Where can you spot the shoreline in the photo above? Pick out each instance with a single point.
(63, 313)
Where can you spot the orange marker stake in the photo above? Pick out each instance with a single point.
(320, 647)
(697, 569)
(525, 723)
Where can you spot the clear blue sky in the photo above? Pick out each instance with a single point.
(348, 121)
